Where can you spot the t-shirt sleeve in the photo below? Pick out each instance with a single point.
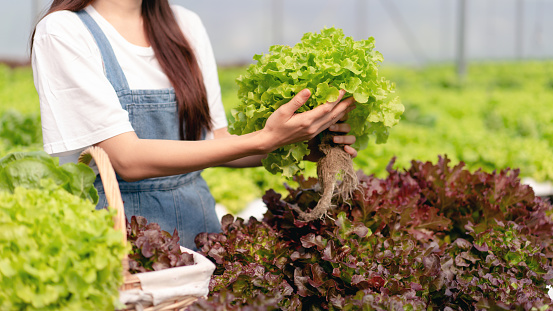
(196, 33)
(79, 106)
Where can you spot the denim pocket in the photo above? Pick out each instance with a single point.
(154, 121)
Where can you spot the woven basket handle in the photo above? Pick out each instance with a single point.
(109, 181)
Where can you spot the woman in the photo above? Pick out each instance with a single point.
(138, 79)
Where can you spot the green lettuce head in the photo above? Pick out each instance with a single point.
(324, 63)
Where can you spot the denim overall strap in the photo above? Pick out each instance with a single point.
(112, 68)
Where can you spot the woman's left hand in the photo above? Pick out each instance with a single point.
(346, 140)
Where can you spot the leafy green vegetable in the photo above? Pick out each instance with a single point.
(31, 169)
(17, 90)
(17, 129)
(233, 188)
(57, 252)
(323, 62)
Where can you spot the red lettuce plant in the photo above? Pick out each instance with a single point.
(154, 249)
(433, 237)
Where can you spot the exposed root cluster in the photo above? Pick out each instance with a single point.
(334, 164)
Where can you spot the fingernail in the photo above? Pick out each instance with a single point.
(333, 127)
(337, 139)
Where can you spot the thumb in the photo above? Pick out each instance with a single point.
(295, 103)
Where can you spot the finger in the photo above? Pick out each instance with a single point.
(340, 128)
(350, 109)
(346, 139)
(330, 105)
(331, 117)
(329, 110)
(340, 110)
(295, 103)
(340, 96)
(350, 150)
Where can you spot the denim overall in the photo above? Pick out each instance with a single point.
(182, 201)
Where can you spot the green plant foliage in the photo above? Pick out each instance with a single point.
(17, 129)
(57, 252)
(234, 189)
(485, 122)
(32, 169)
(324, 63)
(20, 128)
(17, 90)
(229, 87)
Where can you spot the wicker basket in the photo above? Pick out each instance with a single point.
(114, 200)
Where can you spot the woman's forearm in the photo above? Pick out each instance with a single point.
(136, 159)
(250, 161)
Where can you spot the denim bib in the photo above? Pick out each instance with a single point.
(181, 202)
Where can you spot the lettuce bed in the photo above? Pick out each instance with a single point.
(432, 237)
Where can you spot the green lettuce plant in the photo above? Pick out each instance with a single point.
(57, 252)
(324, 63)
(31, 169)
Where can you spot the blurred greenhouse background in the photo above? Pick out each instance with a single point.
(475, 77)
(406, 31)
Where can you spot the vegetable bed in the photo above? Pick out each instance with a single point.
(432, 237)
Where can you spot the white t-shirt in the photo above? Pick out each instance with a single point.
(78, 105)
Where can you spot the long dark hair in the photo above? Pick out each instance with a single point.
(176, 57)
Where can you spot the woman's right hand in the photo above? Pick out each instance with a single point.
(285, 126)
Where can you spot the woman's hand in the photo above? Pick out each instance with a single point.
(346, 140)
(285, 126)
